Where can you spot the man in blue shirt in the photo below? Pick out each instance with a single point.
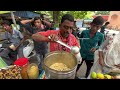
(90, 41)
(14, 47)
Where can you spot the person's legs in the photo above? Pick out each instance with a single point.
(41, 58)
(89, 64)
(13, 56)
(5, 56)
(79, 65)
(38, 58)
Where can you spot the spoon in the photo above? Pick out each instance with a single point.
(74, 49)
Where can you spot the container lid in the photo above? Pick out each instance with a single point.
(21, 61)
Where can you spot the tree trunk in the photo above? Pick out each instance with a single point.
(55, 16)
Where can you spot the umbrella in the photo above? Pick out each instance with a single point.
(3, 12)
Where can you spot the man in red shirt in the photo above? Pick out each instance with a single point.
(64, 34)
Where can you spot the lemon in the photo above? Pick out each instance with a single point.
(107, 76)
(94, 75)
(100, 76)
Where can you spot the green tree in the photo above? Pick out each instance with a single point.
(89, 15)
(56, 15)
(102, 12)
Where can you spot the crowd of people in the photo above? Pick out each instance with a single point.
(39, 30)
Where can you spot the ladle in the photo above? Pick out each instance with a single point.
(74, 49)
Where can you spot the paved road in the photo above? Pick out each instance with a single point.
(81, 72)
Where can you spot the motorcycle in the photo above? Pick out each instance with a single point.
(28, 47)
(4, 44)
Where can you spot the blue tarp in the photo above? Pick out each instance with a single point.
(23, 14)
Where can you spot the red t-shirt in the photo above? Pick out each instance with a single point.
(71, 41)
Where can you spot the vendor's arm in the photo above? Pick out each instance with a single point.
(43, 36)
(40, 38)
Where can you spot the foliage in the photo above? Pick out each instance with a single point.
(76, 14)
(102, 12)
(89, 15)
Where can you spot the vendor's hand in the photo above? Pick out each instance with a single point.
(92, 49)
(101, 62)
(53, 37)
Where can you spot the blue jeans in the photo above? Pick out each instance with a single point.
(40, 59)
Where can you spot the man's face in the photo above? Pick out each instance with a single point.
(66, 28)
(37, 23)
(6, 27)
(95, 28)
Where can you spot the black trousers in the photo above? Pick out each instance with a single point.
(89, 64)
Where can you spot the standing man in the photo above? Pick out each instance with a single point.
(103, 27)
(64, 34)
(41, 48)
(91, 41)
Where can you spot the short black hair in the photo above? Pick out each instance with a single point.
(37, 18)
(98, 20)
(67, 17)
(107, 23)
(5, 22)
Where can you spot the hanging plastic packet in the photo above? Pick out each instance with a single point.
(2, 63)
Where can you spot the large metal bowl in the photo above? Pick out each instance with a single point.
(60, 57)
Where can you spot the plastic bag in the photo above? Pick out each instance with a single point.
(2, 63)
(112, 57)
(96, 66)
